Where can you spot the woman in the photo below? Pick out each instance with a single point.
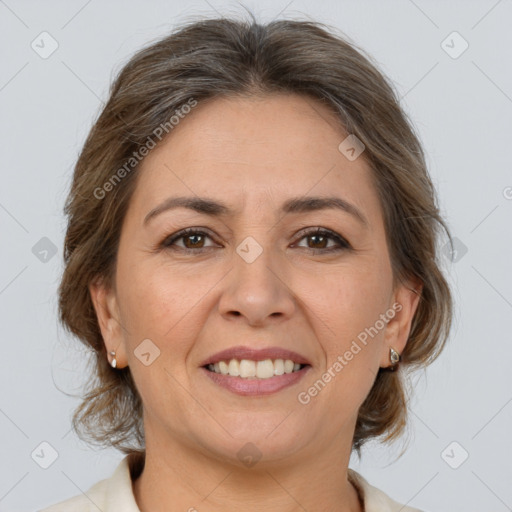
(251, 255)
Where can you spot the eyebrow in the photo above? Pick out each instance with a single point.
(215, 208)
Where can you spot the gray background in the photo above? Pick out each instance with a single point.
(462, 108)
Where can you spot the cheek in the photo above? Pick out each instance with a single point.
(162, 308)
(162, 304)
(352, 346)
(356, 329)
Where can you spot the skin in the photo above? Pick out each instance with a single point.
(253, 154)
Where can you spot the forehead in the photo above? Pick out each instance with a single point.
(244, 150)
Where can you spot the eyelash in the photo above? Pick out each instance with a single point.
(184, 233)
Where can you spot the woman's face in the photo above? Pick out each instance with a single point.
(255, 277)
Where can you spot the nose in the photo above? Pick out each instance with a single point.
(257, 290)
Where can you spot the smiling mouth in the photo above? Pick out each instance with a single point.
(250, 369)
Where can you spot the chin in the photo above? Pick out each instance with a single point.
(256, 438)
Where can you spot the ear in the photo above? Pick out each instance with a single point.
(405, 301)
(107, 311)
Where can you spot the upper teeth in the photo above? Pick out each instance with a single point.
(259, 369)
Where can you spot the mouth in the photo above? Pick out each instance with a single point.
(250, 369)
(245, 371)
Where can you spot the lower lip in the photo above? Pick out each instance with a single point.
(255, 387)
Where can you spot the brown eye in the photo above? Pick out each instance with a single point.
(193, 240)
(196, 241)
(320, 239)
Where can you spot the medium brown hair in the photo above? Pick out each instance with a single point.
(225, 57)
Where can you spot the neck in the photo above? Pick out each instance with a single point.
(181, 478)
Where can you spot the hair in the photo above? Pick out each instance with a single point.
(213, 58)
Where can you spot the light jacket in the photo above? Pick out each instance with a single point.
(115, 494)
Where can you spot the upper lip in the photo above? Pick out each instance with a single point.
(241, 352)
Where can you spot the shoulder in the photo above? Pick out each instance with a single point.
(111, 494)
(374, 499)
(90, 501)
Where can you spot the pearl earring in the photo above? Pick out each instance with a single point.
(114, 362)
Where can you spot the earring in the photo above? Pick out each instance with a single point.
(114, 362)
(394, 356)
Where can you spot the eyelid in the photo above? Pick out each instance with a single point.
(341, 242)
(182, 233)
